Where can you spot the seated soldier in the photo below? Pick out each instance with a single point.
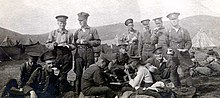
(28, 67)
(117, 66)
(93, 81)
(43, 83)
(14, 88)
(166, 66)
(143, 79)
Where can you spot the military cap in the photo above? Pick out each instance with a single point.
(173, 15)
(159, 48)
(147, 20)
(128, 21)
(61, 18)
(134, 58)
(158, 19)
(107, 57)
(82, 15)
(51, 54)
(123, 44)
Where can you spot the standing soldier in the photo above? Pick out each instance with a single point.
(85, 39)
(147, 41)
(131, 38)
(60, 41)
(161, 33)
(180, 41)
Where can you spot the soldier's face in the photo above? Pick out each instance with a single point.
(158, 55)
(83, 22)
(146, 25)
(61, 24)
(159, 24)
(130, 26)
(174, 22)
(49, 64)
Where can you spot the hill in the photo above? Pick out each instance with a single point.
(193, 24)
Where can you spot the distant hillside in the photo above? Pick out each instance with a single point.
(11, 34)
(193, 24)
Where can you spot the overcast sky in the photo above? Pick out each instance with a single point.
(38, 16)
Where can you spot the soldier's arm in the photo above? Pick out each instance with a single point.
(167, 38)
(98, 78)
(71, 41)
(22, 73)
(66, 65)
(96, 40)
(140, 44)
(188, 42)
(28, 87)
(50, 40)
(154, 38)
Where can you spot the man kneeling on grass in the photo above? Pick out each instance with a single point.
(93, 81)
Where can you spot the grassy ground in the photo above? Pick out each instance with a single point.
(9, 70)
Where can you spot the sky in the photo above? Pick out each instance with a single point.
(38, 16)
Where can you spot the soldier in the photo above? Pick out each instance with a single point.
(14, 88)
(166, 65)
(60, 40)
(85, 39)
(28, 67)
(147, 41)
(131, 38)
(93, 81)
(179, 40)
(43, 83)
(161, 33)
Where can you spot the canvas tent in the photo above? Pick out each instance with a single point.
(3, 55)
(202, 40)
(29, 41)
(7, 42)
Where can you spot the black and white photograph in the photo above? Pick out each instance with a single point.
(109, 49)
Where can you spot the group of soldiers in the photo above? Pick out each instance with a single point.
(143, 60)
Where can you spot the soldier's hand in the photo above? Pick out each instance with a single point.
(126, 71)
(55, 44)
(33, 94)
(51, 46)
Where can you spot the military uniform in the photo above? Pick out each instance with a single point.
(147, 41)
(131, 38)
(84, 55)
(180, 39)
(167, 68)
(26, 71)
(93, 83)
(61, 42)
(161, 34)
(45, 84)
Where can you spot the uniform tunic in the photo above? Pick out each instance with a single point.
(60, 37)
(147, 41)
(131, 38)
(167, 68)
(26, 71)
(93, 83)
(161, 37)
(64, 55)
(84, 55)
(180, 39)
(45, 84)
